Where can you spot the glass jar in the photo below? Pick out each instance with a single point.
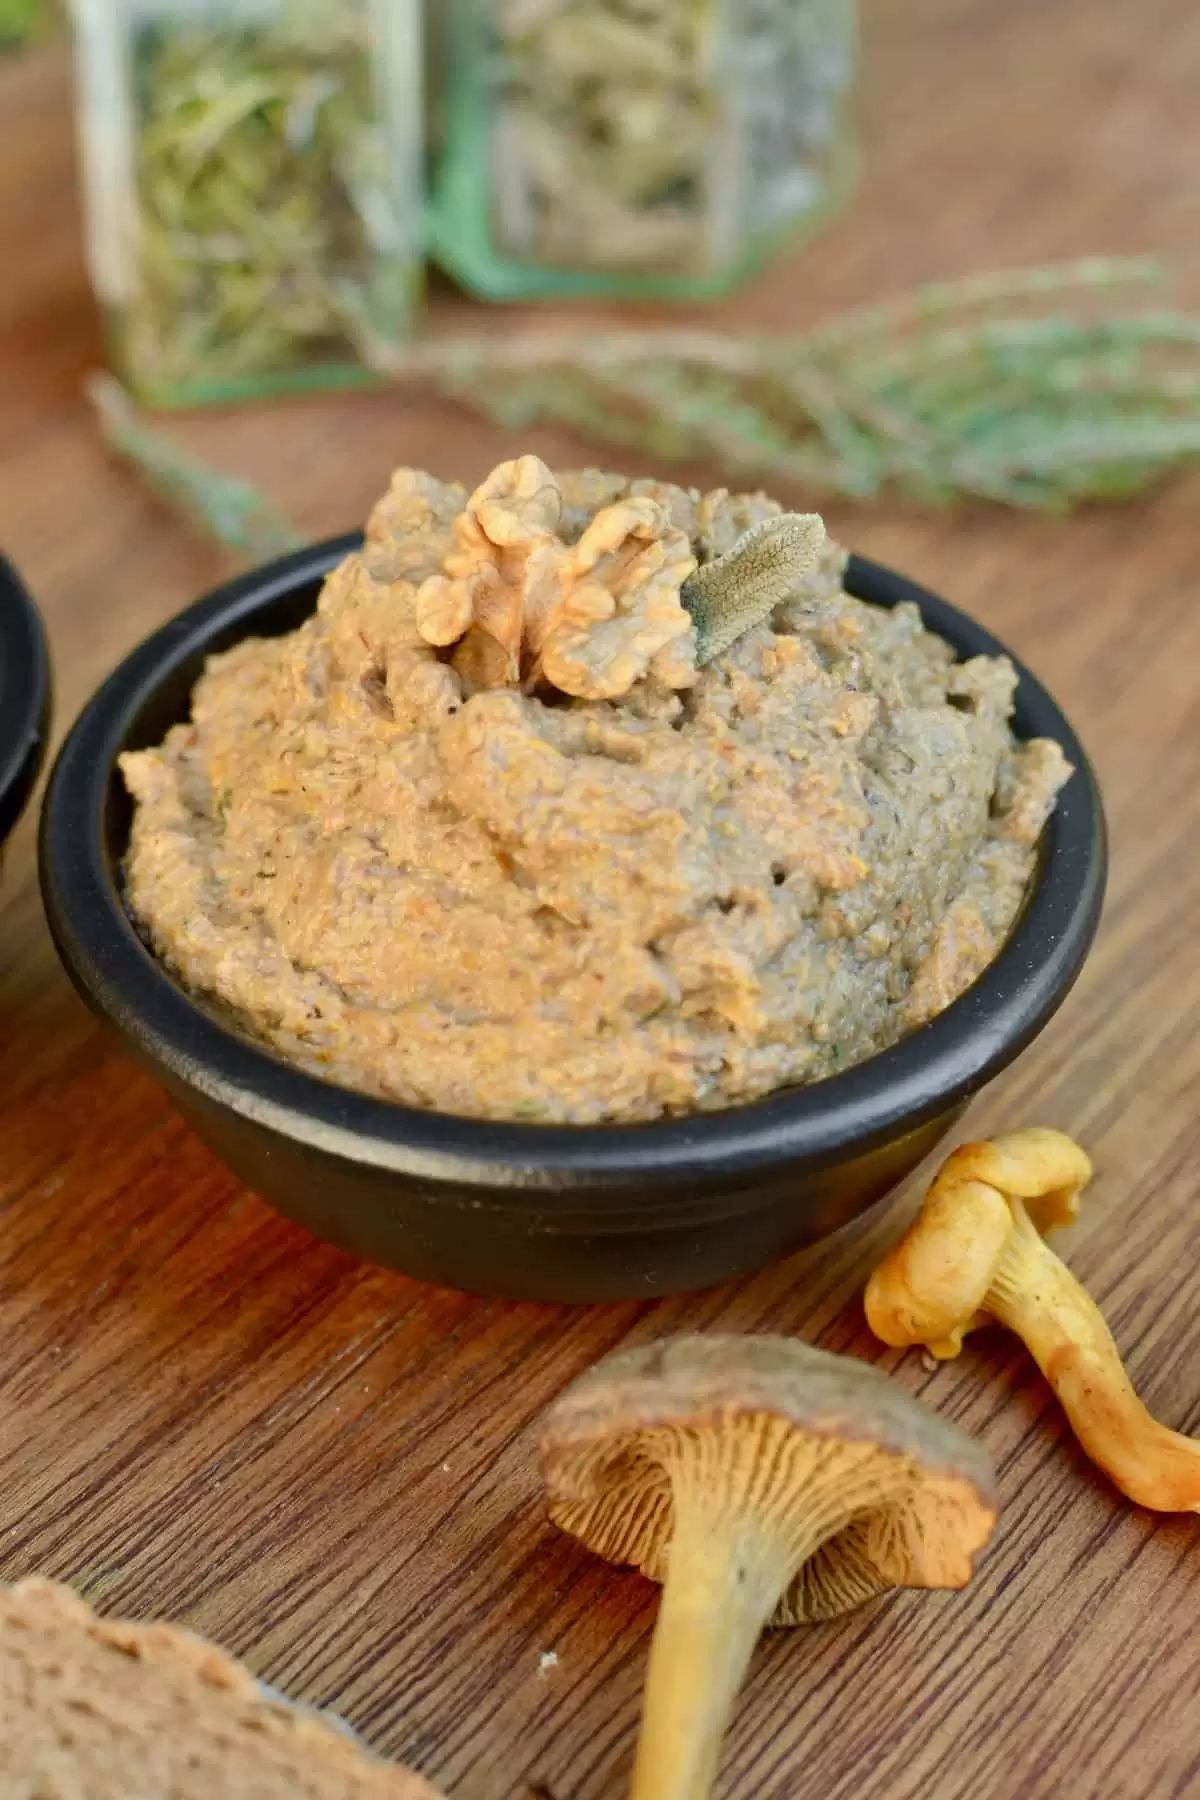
(638, 147)
(252, 178)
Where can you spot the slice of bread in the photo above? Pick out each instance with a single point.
(97, 1709)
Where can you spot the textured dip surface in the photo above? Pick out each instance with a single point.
(412, 865)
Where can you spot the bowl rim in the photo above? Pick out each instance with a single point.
(936, 1067)
(24, 695)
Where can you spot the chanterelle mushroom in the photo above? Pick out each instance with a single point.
(976, 1254)
(760, 1481)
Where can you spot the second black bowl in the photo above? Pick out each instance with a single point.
(535, 1211)
(24, 697)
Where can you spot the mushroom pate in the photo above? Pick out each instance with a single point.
(584, 798)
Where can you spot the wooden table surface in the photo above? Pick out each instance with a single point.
(204, 1413)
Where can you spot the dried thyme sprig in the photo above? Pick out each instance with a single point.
(231, 511)
(954, 391)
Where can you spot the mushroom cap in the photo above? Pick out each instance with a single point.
(609, 1442)
(933, 1285)
(1044, 1169)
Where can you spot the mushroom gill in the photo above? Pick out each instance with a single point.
(761, 1482)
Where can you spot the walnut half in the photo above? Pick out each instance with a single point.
(516, 604)
(496, 581)
(619, 614)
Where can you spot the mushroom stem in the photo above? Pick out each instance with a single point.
(725, 1575)
(1035, 1295)
(762, 1482)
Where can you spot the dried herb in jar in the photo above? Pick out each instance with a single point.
(608, 133)
(655, 141)
(797, 64)
(272, 188)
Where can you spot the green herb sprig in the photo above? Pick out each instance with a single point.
(231, 511)
(957, 391)
(967, 390)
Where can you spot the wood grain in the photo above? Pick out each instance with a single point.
(329, 1468)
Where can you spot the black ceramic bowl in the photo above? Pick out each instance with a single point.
(547, 1212)
(24, 697)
